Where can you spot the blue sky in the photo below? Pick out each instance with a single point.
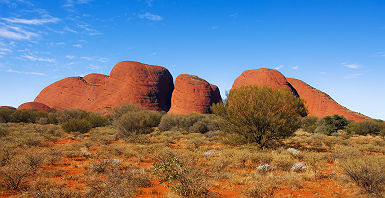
(337, 46)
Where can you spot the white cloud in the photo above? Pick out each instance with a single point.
(77, 45)
(31, 21)
(151, 17)
(33, 58)
(70, 30)
(279, 67)
(90, 31)
(70, 57)
(87, 58)
(27, 73)
(295, 67)
(323, 73)
(71, 3)
(351, 66)
(13, 32)
(103, 60)
(4, 51)
(352, 76)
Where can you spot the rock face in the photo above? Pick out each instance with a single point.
(7, 107)
(320, 104)
(129, 82)
(34, 105)
(264, 77)
(193, 95)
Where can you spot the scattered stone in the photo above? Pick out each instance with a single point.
(266, 168)
(298, 167)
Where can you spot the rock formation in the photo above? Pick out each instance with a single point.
(34, 105)
(320, 104)
(193, 95)
(7, 107)
(129, 82)
(264, 77)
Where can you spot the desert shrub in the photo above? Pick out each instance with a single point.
(367, 173)
(125, 108)
(137, 122)
(118, 184)
(261, 114)
(27, 116)
(193, 123)
(47, 188)
(179, 176)
(34, 159)
(331, 124)
(15, 172)
(309, 123)
(65, 115)
(77, 125)
(5, 115)
(373, 127)
(3, 130)
(52, 118)
(97, 120)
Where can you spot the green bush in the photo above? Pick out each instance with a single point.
(77, 125)
(65, 115)
(27, 116)
(125, 108)
(373, 127)
(97, 120)
(331, 124)
(193, 123)
(6, 115)
(309, 123)
(137, 122)
(261, 114)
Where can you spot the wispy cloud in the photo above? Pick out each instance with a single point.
(352, 76)
(90, 31)
(31, 21)
(4, 51)
(351, 66)
(70, 57)
(295, 67)
(77, 45)
(87, 58)
(279, 67)
(70, 30)
(151, 17)
(13, 32)
(323, 73)
(71, 3)
(40, 59)
(26, 73)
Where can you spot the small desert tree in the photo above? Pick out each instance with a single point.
(261, 114)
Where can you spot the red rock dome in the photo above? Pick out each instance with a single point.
(193, 95)
(7, 107)
(263, 77)
(320, 104)
(129, 82)
(34, 105)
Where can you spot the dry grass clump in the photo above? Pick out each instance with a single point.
(367, 172)
(44, 188)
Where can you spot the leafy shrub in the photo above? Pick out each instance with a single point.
(27, 116)
(15, 172)
(138, 122)
(97, 120)
(367, 172)
(331, 124)
(261, 114)
(193, 123)
(77, 125)
(65, 115)
(125, 108)
(5, 115)
(373, 127)
(309, 123)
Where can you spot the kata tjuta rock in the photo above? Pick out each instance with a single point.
(320, 104)
(34, 105)
(193, 95)
(7, 107)
(264, 77)
(149, 86)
